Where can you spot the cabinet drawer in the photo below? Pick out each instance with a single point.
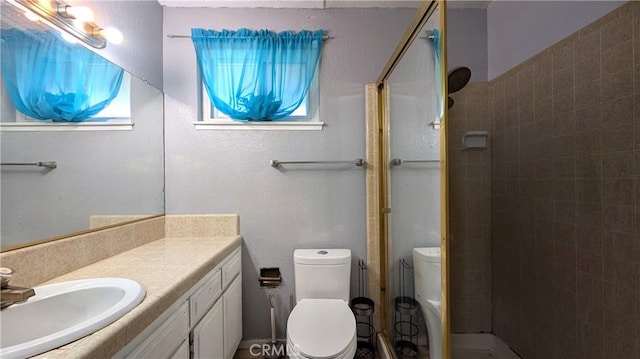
(164, 341)
(231, 268)
(204, 297)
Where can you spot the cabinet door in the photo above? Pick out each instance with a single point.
(232, 317)
(164, 341)
(208, 335)
(183, 351)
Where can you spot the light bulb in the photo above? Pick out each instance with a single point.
(80, 13)
(31, 16)
(112, 35)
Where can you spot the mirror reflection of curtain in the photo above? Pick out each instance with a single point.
(257, 75)
(48, 78)
(438, 63)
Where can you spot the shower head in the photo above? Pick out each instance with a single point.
(458, 78)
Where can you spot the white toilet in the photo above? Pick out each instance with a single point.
(322, 325)
(427, 278)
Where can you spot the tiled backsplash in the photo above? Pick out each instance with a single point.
(36, 264)
(565, 171)
(202, 225)
(39, 263)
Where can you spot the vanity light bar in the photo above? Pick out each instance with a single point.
(57, 15)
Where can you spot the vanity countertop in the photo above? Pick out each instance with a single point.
(167, 268)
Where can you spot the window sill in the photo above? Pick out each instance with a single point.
(258, 126)
(65, 126)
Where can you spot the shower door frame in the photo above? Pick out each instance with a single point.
(383, 176)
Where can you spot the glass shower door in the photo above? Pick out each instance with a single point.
(414, 185)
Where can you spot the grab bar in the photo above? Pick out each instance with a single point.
(398, 161)
(275, 163)
(49, 164)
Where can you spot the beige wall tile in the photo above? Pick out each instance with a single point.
(202, 225)
(575, 165)
(39, 263)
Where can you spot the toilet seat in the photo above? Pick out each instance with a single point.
(321, 328)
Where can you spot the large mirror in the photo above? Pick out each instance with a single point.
(108, 169)
(415, 190)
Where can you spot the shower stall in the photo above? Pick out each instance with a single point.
(406, 138)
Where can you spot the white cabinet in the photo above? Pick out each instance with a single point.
(205, 323)
(164, 341)
(232, 300)
(208, 335)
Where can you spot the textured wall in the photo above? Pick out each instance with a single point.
(565, 224)
(228, 171)
(518, 30)
(467, 41)
(470, 213)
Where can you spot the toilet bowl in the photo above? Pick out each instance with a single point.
(427, 280)
(322, 325)
(321, 328)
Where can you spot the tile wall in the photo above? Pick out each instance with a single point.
(470, 213)
(565, 224)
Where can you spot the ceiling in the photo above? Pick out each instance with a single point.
(318, 4)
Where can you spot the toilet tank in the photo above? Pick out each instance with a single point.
(322, 273)
(426, 274)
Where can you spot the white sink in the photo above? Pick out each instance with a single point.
(63, 312)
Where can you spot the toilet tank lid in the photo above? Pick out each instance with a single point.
(427, 254)
(322, 256)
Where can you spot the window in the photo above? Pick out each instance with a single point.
(305, 117)
(258, 79)
(116, 116)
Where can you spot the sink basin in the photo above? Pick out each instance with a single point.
(63, 312)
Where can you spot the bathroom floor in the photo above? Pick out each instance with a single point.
(246, 354)
(472, 354)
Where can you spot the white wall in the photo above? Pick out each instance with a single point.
(467, 41)
(228, 171)
(517, 30)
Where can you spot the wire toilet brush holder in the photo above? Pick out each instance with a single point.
(363, 308)
(405, 327)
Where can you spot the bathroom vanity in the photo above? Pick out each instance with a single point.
(193, 282)
(206, 322)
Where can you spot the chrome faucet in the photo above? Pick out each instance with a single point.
(9, 294)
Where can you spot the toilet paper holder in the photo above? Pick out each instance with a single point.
(270, 277)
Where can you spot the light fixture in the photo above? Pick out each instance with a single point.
(112, 35)
(79, 13)
(72, 20)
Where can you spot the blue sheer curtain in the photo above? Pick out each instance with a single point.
(48, 78)
(257, 75)
(438, 74)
